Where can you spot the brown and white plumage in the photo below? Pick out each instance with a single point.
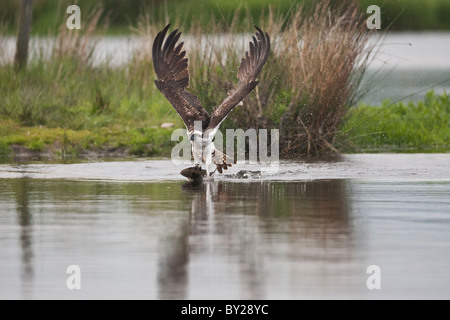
(171, 68)
(249, 70)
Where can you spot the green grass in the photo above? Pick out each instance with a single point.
(152, 142)
(407, 127)
(67, 107)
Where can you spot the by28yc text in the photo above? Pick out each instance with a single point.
(228, 309)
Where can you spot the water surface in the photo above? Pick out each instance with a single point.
(308, 231)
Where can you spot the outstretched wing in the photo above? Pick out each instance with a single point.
(171, 68)
(249, 70)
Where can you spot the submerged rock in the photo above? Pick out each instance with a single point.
(247, 174)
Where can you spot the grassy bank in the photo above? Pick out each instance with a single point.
(70, 108)
(117, 141)
(423, 126)
(49, 14)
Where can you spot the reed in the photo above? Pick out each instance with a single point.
(326, 52)
(2, 44)
(78, 45)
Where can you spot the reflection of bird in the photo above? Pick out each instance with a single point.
(171, 67)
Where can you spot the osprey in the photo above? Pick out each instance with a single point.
(171, 68)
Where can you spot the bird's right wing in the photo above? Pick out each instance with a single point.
(171, 68)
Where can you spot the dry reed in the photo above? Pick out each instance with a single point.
(78, 45)
(326, 52)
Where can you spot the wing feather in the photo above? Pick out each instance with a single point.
(171, 68)
(250, 68)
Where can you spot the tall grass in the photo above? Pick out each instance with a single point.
(77, 45)
(325, 72)
(2, 44)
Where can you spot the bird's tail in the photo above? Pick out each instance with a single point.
(221, 160)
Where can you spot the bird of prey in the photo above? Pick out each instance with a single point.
(171, 68)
